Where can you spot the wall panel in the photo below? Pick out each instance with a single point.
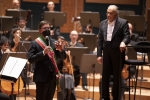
(130, 2)
(5, 4)
(69, 7)
(41, 1)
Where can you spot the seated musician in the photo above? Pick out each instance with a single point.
(4, 47)
(88, 29)
(67, 79)
(21, 24)
(55, 30)
(15, 4)
(15, 39)
(14, 44)
(75, 43)
(50, 6)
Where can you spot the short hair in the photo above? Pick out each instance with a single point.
(73, 32)
(21, 18)
(115, 8)
(50, 2)
(89, 25)
(4, 40)
(15, 1)
(43, 23)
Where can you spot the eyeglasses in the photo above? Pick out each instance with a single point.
(111, 13)
(44, 28)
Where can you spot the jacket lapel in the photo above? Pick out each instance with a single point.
(105, 30)
(116, 27)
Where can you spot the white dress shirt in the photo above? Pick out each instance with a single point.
(110, 29)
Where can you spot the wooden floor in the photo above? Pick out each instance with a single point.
(81, 94)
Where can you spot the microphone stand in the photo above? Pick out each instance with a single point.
(27, 93)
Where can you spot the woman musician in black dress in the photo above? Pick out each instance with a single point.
(67, 80)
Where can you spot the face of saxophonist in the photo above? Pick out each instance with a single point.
(50, 6)
(74, 36)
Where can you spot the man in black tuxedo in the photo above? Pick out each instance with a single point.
(112, 40)
(75, 43)
(42, 52)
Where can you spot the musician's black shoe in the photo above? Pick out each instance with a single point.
(85, 88)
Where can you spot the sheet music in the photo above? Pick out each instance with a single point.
(13, 67)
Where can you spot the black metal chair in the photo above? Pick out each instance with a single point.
(142, 47)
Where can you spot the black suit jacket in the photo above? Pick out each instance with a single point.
(44, 69)
(77, 45)
(135, 37)
(120, 34)
(0, 55)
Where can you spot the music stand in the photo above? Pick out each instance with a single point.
(4, 26)
(24, 46)
(10, 63)
(91, 67)
(55, 18)
(76, 53)
(32, 33)
(88, 40)
(92, 18)
(123, 13)
(16, 13)
(13, 54)
(137, 21)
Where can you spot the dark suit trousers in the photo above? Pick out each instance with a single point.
(45, 90)
(112, 65)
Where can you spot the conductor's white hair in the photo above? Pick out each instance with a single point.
(114, 7)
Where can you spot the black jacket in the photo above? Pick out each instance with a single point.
(120, 34)
(44, 69)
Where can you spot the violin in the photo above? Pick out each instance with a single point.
(81, 40)
(68, 61)
(68, 64)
